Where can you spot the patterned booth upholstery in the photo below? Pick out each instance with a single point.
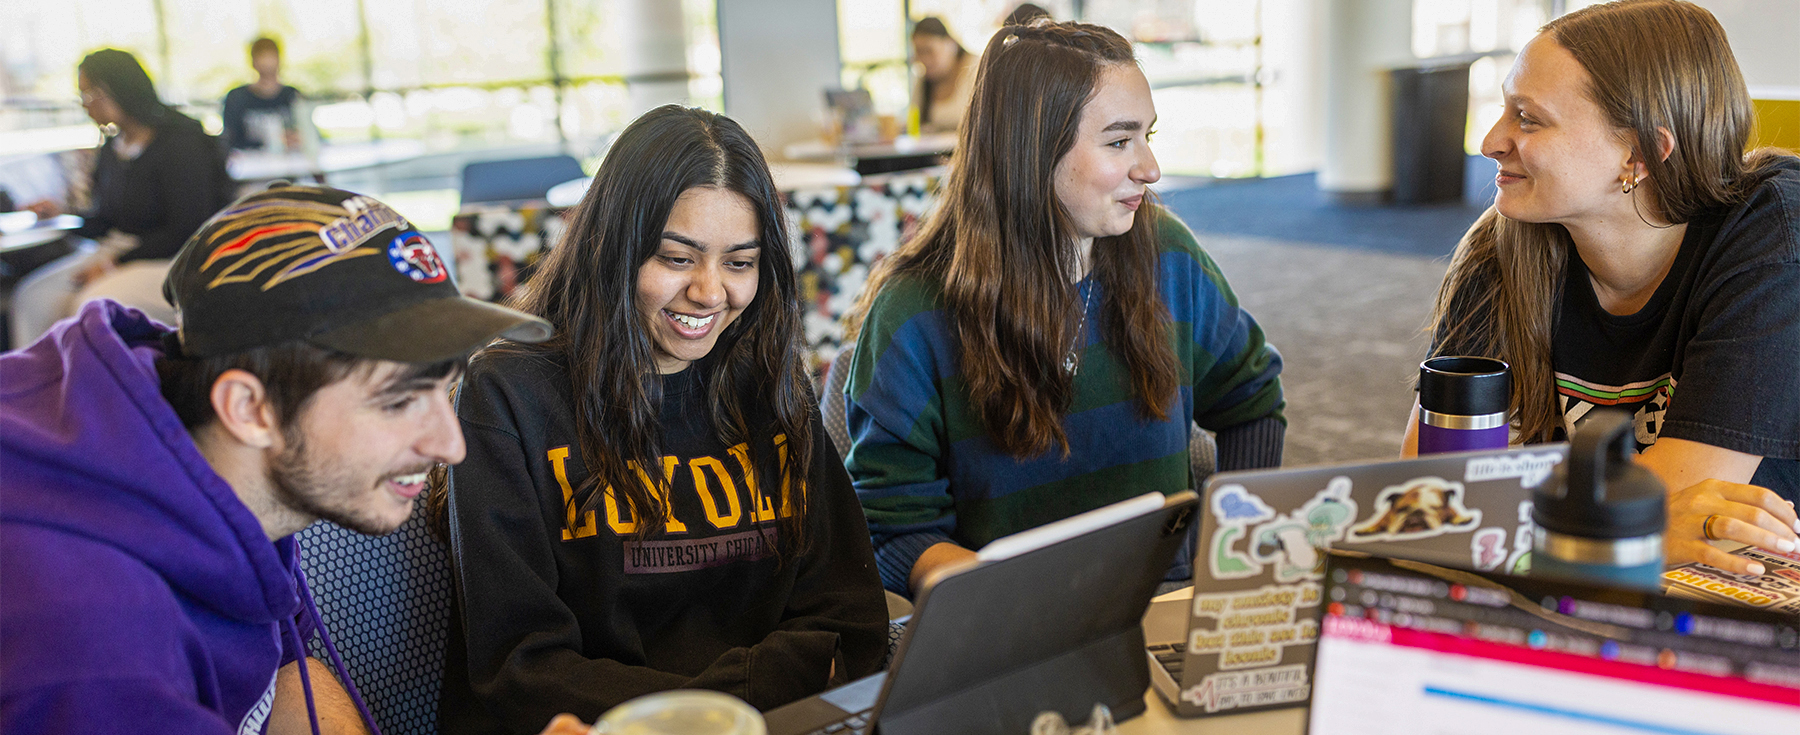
(386, 602)
(839, 232)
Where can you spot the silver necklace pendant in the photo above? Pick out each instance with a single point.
(1070, 364)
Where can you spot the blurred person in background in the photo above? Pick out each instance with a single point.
(1024, 14)
(947, 78)
(156, 178)
(260, 115)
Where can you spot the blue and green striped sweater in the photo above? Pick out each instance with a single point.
(926, 472)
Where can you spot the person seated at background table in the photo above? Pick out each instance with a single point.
(1024, 14)
(253, 111)
(1636, 257)
(1044, 344)
(156, 178)
(947, 78)
(650, 501)
(149, 575)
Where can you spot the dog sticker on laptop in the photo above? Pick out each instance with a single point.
(1419, 508)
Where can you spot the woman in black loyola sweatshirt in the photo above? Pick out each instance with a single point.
(649, 500)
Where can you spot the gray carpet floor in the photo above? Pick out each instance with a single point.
(1342, 292)
(1349, 325)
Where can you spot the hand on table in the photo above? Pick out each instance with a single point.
(1746, 513)
(99, 266)
(566, 724)
(44, 209)
(941, 555)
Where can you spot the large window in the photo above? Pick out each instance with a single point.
(1207, 62)
(1493, 28)
(450, 73)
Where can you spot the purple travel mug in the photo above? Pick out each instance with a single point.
(1462, 404)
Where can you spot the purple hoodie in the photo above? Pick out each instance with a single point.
(137, 593)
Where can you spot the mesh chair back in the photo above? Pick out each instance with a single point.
(386, 601)
(831, 400)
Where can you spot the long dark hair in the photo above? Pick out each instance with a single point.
(123, 79)
(1654, 64)
(586, 288)
(933, 26)
(1003, 247)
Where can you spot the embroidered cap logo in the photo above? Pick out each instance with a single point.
(412, 255)
(286, 239)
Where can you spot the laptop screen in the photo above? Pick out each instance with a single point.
(1410, 648)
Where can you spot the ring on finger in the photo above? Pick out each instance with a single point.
(1706, 527)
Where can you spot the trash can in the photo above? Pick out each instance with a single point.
(1431, 113)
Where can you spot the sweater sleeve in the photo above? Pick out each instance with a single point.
(1237, 373)
(231, 114)
(897, 431)
(94, 221)
(836, 591)
(187, 180)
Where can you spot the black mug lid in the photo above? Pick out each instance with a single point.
(1465, 386)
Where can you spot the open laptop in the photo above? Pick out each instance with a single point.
(1046, 619)
(1415, 648)
(1258, 564)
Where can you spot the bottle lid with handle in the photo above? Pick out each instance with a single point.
(1601, 493)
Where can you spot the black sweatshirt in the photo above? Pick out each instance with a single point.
(559, 615)
(163, 195)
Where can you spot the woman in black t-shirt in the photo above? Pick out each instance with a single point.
(1636, 258)
(649, 501)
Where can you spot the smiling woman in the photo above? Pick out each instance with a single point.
(1636, 258)
(649, 501)
(1045, 344)
(702, 277)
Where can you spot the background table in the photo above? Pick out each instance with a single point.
(901, 154)
(38, 233)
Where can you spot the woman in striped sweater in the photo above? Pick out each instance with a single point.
(1046, 343)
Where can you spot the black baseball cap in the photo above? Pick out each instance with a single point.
(336, 269)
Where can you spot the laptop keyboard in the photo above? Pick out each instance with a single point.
(1170, 656)
(856, 724)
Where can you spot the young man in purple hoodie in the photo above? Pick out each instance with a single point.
(151, 481)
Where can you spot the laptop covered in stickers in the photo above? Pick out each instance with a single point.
(1259, 565)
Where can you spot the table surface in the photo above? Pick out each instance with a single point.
(1157, 718)
(262, 166)
(819, 150)
(788, 177)
(44, 231)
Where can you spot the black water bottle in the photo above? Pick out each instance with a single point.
(1601, 518)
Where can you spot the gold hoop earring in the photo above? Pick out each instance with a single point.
(1628, 183)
